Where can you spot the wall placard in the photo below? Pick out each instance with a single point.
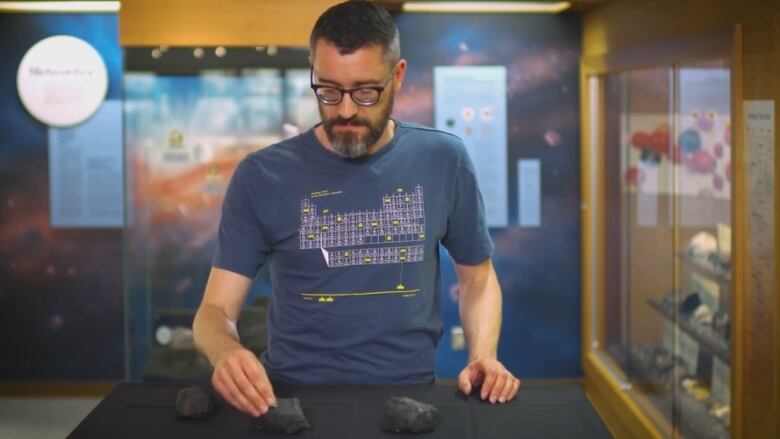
(760, 148)
(86, 171)
(470, 102)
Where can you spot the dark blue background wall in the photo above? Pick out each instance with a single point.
(60, 289)
(538, 268)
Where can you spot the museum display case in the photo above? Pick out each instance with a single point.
(667, 240)
(190, 115)
(659, 303)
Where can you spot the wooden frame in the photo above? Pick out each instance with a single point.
(777, 235)
(627, 415)
(739, 246)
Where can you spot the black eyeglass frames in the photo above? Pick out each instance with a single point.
(364, 96)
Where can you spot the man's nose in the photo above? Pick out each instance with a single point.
(347, 107)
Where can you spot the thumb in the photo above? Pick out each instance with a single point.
(464, 381)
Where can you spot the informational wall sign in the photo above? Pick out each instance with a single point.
(85, 171)
(62, 80)
(529, 192)
(470, 102)
(760, 146)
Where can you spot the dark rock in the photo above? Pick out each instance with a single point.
(405, 415)
(194, 403)
(689, 305)
(287, 417)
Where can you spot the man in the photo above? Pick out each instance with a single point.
(349, 215)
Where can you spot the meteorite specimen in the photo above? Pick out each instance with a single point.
(405, 415)
(194, 403)
(287, 417)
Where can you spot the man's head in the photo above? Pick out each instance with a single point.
(356, 70)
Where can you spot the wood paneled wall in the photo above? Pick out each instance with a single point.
(218, 23)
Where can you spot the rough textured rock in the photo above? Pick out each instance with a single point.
(405, 415)
(287, 417)
(194, 403)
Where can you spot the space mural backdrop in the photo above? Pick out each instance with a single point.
(538, 267)
(61, 290)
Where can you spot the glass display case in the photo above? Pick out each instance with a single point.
(661, 317)
(190, 115)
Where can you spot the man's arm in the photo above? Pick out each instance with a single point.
(238, 375)
(480, 313)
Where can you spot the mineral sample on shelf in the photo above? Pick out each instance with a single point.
(405, 415)
(287, 417)
(194, 403)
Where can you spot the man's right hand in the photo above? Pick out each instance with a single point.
(241, 379)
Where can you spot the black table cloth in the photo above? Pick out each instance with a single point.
(144, 411)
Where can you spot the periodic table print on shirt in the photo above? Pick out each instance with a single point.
(389, 234)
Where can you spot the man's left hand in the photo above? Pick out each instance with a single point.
(498, 384)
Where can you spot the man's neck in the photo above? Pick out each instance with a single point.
(387, 136)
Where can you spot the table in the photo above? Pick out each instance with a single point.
(146, 410)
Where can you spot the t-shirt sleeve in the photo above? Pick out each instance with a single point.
(242, 246)
(467, 239)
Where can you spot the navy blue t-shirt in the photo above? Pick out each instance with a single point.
(353, 251)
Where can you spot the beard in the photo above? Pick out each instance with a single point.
(350, 144)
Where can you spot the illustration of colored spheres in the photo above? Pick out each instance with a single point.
(640, 139)
(702, 162)
(690, 141)
(635, 176)
(718, 150)
(717, 182)
(705, 122)
(659, 141)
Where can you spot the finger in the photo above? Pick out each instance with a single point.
(464, 381)
(515, 388)
(247, 388)
(259, 380)
(487, 385)
(505, 393)
(498, 386)
(243, 404)
(476, 376)
(222, 390)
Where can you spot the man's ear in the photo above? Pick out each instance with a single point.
(400, 74)
(312, 54)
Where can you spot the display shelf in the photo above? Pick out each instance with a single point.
(711, 342)
(705, 270)
(699, 422)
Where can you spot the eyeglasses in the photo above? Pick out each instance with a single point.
(363, 96)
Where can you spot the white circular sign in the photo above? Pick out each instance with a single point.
(62, 80)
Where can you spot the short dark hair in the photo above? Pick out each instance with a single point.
(355, 24)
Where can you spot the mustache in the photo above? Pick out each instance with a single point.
(352, 121)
